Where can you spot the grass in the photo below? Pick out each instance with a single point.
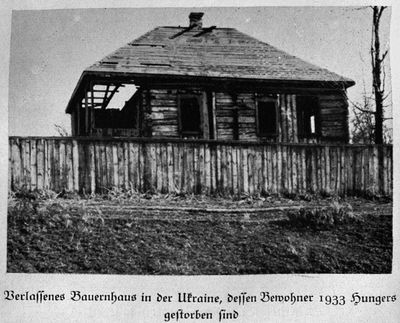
(52, 235)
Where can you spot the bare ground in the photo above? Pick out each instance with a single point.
(191, 236)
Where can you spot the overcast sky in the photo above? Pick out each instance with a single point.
(50, 49)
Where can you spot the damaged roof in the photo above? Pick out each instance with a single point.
(210, 52)
(218, 53)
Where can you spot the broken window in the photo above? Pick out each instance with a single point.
(118, 108)
(307, 116)
(189, 116)
(267, 117)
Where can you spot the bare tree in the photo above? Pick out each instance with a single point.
(368, 120)
(378, 73)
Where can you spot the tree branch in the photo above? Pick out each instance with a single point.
(363, 110)
(384, 56)
(380, 12)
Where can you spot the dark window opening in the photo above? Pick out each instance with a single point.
(190, 118)
(267, 118)
(307, 116)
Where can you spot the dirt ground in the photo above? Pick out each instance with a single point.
(192, 235)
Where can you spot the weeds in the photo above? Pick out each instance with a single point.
(323, 218)
(32, 215)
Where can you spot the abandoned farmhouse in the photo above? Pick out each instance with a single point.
(204, 109)
(210, 83)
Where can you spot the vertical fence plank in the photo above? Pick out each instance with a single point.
(304, 170)
(240, 169)
(342, 170)
(50, 164)
(92, 168)
(23, 163)
(189, 169)
(109, 165)
(371, 187)
(156, 166)
(10, 168)
(275, 170)
(182, 157)
(33, 165)
(207, 168)
(296, 176)
(229, 170)
(120, 165)
(170, 162)
(26, 163)
(75, 165)
(98, 167)
(114, 158)
(259, 176)
(319, 169)
(103, 167)
(264, 169)
(279, 177)
(15, 164)
(245, 171)
(366, 169)
(126, 165)
(285, 180)
(213, 168)
(132, 170)
(195, 177)
(135, 165)
(327, 169)
(385, 165)
(177, 168)
(63, 166)
(164, 168)
(289, 166)
(223, 170)
(334, 170)
(314, 170)
(69, 162)
(40, 164)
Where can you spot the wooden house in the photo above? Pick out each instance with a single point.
(209, 83)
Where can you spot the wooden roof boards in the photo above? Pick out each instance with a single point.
(217, 53)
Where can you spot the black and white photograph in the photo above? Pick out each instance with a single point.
(199, 147)
(200, 142)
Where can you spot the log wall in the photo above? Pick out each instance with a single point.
(162, 115)
(334, 117)
(175, 165)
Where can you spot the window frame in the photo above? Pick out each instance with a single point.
(301, 120)
(198, 97)
(273, 99)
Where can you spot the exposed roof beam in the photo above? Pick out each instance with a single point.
(108, 99)
(205, 30)
(182, 32)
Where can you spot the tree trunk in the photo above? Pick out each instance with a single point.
(377, 61)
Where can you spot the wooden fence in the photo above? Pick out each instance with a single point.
(175, 165)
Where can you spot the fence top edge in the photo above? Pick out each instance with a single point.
(193, 141)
